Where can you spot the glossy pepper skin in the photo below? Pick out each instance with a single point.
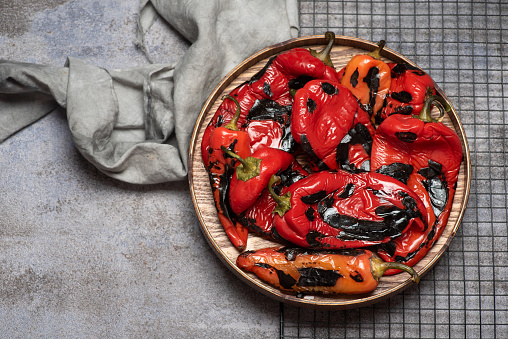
(331, 127)
(427, 155)
(218, 168)
(409, 89)
(354, 271)
(259, 218)
(252, 175)
(369, 80)
(337, 210)
(265, 100)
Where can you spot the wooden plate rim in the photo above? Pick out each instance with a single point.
(328, 304)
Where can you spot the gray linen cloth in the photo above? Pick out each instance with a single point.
(135, 124)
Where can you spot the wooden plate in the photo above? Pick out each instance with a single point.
(345, 48)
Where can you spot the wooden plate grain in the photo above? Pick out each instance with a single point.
(344, 49)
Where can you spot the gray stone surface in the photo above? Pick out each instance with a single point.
(84, 255)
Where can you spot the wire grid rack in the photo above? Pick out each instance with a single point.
(463, 45)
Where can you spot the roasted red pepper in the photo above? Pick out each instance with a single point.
(231, 137)
(266, 99)
(251, 177)
(369, 79)
(259, 218)
(336, 210)
(355, 271)
(410, 87)
(427, 155)
(331, 127)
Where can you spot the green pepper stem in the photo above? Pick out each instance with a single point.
(249, 167)
(379, 267)
(283, 202)
(443, 107)
(376, 54)
(232, 124)
(324, 54)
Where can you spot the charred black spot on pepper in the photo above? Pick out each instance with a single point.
(395, 220)
(314, 277)
(266, 109)
(267, 89)
(299, 82)
(261, 72)
(288, 177)
(356, 276)
(329, 89)
(397, 170)
(325, 203)
(309, 213)
(400, 68)
(220, 121)
(262, 265)
(372, 81)
(307, 148)
(358, 135)
(349, 189)
(406, 136)
(354, 78)
(312, 238)
(406, 110)
(311, 105)
(285, 280)
(314, 197)
(435, 185)
(402, 96)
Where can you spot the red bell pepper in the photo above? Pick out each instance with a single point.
(267, 97)
(410, 88)
(259, 218)
(217, 166)
(332, 128)
(426, 154)
(251, 177)
(336, 210)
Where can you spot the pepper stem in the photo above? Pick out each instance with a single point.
(248, 168)
(324, 54)
(232, 124)
(443, 107)
(283, 202)
(379, 267)
(376, 54)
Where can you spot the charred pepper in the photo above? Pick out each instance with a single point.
(218, 171)
(369, 79)
(425, 154)
(410, 88)
(354, 271)
(336, 210)
(266, 99)
(331, 127)
(252, 175)
(259, 218)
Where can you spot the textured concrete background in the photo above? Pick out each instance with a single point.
(83, 255)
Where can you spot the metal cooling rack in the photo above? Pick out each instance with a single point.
(463, 45)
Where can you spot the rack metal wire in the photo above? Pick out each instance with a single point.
(463, 45)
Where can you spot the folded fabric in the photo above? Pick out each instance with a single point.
(135, 124)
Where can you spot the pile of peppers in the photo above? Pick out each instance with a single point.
(346, 169)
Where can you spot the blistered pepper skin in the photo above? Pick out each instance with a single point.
(337, 210)
(331, 127)
(431, 153)
(324, 272)
(369, 80)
